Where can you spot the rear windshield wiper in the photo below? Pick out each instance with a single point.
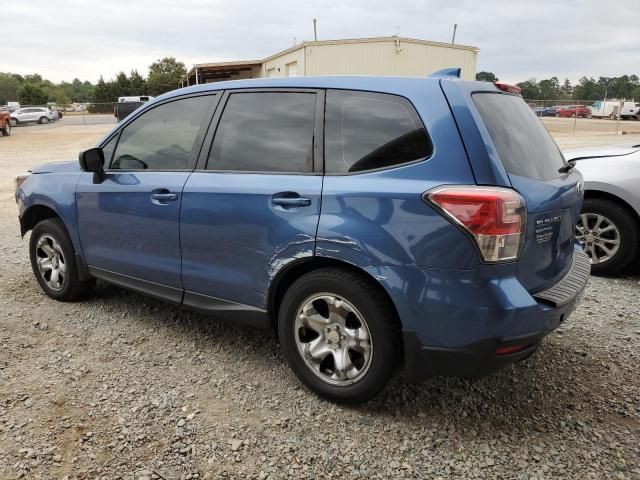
(567, 167)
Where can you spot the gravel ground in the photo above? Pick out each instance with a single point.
(123, 386)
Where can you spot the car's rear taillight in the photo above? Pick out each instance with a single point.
(495, 217)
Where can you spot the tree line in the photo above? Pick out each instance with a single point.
(162, 77)
(588, 88)
(165, 74)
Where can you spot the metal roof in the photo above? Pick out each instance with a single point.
(371, 40)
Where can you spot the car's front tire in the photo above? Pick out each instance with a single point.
(608, 234)
(54, 263)
(339, 334)
(43, 120)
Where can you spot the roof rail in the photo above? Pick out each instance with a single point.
(447, 72)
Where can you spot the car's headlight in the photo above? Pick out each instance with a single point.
(21, 178)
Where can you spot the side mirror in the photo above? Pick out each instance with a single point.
(92, 160)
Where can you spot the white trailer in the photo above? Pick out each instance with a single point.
(608, 109)
(630, 110)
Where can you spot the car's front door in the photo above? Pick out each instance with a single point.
(128, 220)
(253, 204)
(29, 115)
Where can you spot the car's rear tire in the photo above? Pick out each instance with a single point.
(54, 264)
(332, 317)
(13, 122)
(43, 120)
(610, 237)
(6, 130)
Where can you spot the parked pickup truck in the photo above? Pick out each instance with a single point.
(5, 123)
(127, 105)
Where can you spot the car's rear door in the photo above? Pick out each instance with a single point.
(509, 146)
(128, 220)
(253, 204)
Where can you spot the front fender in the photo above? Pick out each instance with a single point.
(615, 190)
(56, 192)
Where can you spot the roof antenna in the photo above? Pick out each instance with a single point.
(453, 38)
(315, 32)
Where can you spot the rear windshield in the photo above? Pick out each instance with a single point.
(523, 144)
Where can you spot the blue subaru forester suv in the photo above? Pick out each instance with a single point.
(373, 223)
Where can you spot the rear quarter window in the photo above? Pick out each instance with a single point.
(369, 131)
(523, 144)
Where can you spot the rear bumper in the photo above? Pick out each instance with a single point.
(475, 360)
(459, 323)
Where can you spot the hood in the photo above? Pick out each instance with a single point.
(57, 167)
(597, 152)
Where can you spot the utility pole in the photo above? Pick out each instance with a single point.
(453, 38)
(315, 32)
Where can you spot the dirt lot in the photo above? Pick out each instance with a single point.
(590, 126)
(123, 386)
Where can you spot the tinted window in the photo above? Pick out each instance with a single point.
(265, 132)
(523, 144)
(364, 131)
(162, 138)
(108, 149)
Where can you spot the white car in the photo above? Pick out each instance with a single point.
(609, 226)
(32, 114)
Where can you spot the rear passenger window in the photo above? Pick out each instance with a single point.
(366, 131)
(265, 132)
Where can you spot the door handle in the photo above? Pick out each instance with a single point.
(166, 197)
(291, 202)
(163, 196)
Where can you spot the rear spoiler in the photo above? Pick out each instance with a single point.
(447, 73)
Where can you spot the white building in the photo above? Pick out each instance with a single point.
(361, 56)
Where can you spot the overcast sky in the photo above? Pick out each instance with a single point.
(63, 39)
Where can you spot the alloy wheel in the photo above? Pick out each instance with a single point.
(51, 262)
(333, 339)
(598, 236)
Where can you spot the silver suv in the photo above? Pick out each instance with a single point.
(32, 114)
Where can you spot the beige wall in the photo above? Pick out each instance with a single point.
(381, 58)
(255, 72)
(280, 63)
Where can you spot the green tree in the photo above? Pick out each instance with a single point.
(137, 83)
(9, 86)
(486, 77)
(164, 75)
(530, 89)
(566, 89)
(102, 97)
(588, 89)
(35, 78)
(121, 85)
(549, 89)
(30, 94)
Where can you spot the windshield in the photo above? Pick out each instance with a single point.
(523, 144)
